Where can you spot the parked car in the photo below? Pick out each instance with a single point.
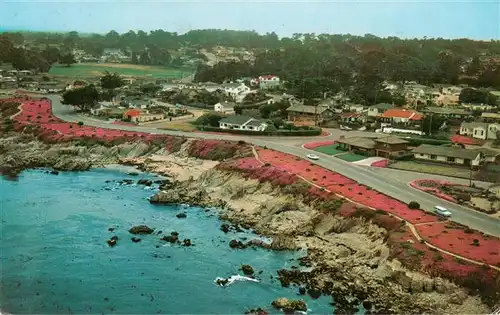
(313, 157)
(442, 211)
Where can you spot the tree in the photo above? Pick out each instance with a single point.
(84, 98)
(111, 81)
(67, 59)
(209, 119)
(477, 96)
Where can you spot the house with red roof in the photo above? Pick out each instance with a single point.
(138, 116)
(405, 116)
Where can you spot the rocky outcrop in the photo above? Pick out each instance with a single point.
(289, 306)
(141, 229)
(172, 238)
(256, 311)
(247, 270)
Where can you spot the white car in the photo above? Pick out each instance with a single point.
(313, 157)
(442, 211)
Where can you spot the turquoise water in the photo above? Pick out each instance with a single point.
(54, 256)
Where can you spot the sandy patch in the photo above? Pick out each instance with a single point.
(121, 66)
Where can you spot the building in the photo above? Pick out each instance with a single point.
(236, 90)
(401, 116)
(448, 112)
(138, 116)
(242, 123)
(269, 81)
(308, 115)
(449, 155)
(480, 130)
(25, 72)
(491, 117)
(378, 109)
(356, 108)
(224, 107)
(387, 147)
(478, 107)
(352, 118)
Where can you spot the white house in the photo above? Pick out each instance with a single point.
(480, 130)
(224, 107)
(354, 108)
(268, 81)
(449, 155)
(242, 123)
(236, 90)
(378, 109)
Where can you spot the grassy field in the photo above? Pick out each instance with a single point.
(452, 171)
(96, 69)
(329, 149)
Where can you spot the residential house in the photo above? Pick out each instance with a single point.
(491, 117)
(449, 155)
(128, 80)
(25, 72)
(236, 90)
(349, 118)
(356, 108)
(490, 155)
(224, 107)
(242, 123)
(387, 147)
(401, 116)
(480, 130)
(308, 115)
(448, 112)
(138, 116)
(12, 72)
(378, 109)
(269, 81)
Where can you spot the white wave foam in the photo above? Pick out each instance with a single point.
(233, 279)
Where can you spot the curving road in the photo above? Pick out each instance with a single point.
(364, 175)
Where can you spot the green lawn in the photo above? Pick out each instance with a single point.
(329, 149)
(95, 69)
(351, 157)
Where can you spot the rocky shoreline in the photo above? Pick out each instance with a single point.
(348, 257)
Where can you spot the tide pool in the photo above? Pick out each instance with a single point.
(54, 256)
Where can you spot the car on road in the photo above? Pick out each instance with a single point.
(442, 211)
(313, 157)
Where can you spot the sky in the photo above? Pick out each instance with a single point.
(476, 19)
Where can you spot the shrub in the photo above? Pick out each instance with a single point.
(414, 205)
(475, 242)
(80, 123)
(469, 231)
(267, 164)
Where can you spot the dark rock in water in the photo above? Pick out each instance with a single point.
(247, 270)
(256, 311)
(224, 228)
(114, 237)
(313, 293)
(186, 242)
(302, 290)
(141, 229)
(162, 182)
(172, 238)
(133, 174)
(126, 182)
(54, 172)
(237, 244)
(159, 232)
(111, 242)
(108, 181)
(367, 305)
(222, 282)
(111, 229)
(181, 215)
(107, 188)
(135, 239)
(145, 182)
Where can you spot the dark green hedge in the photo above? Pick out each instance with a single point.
(292, 133)
(419, 141)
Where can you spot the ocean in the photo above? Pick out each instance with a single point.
(55, 259)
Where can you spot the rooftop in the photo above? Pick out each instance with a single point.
(446, 110)
(390, 140)
(403, 113)
(308, 109)
(236, 120)
(455, 152)
(474, 124)
(366, 143)
(384, 106)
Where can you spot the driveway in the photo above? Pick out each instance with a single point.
(363, 175)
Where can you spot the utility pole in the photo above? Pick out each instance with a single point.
(430, 126)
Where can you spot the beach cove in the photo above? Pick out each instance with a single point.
(55, 258)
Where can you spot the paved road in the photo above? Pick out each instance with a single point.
(364, 175)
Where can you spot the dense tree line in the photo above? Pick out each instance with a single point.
(12, 51)
(312, 66)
